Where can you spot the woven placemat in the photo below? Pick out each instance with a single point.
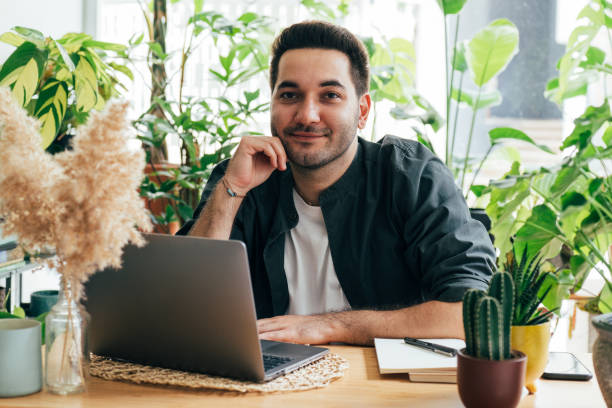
(314, 375)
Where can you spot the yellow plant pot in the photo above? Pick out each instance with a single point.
(533, 341)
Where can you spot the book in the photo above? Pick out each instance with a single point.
(395, 356)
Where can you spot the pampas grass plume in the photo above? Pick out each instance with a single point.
(83, 203)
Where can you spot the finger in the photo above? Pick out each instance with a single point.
(268, 149)
(271, 324)
(280, 152)
(287, 336)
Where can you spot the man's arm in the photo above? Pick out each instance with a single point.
(253, 162)
(432, 319)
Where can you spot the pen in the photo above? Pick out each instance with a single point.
(436, 348)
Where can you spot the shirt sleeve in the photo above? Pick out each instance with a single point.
(452, 251)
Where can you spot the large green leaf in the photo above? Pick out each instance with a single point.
(587, 125)
(557, 289)
(501, 133)
(12, 39)
(31, 35)
(451, 6)
(491, 50)
(51, 109)
(86, 86)
(485, 100)
(539, 229)
(22, 71)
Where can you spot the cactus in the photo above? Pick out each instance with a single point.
(471, 297)
(490, 340)
(502, 289)
(487, 319)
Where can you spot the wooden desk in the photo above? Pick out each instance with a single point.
(362, 386)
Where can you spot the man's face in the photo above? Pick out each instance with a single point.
(315, 110)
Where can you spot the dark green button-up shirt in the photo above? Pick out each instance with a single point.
(399, 230)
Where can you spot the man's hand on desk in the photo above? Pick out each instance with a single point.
(315, 329)
(428, 320)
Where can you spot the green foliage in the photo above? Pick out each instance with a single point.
(487, 318)
(565, 208)
(531, 286)
(451, 6)
(208, 128)
(582, 63)
(491, 49)
(483, 57)
(392, 78)
(60, 81)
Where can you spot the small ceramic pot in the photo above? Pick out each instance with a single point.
(488, 383)
(41, 301)
(602, 355)
(533, 342)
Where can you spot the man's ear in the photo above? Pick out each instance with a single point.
(365, 103)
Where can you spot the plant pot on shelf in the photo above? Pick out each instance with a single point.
(488, 383)
(533, 342)
(42, 301)
(158, 206)
(602, 355)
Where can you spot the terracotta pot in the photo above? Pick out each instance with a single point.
(158, 205)
(602, 355)
(533, 342)
(487, 383)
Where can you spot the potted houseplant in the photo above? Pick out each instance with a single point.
(489, 373)
(530, 332)
(60, 81)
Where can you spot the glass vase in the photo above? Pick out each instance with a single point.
(64, 357)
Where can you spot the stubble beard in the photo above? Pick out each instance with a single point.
(323, 156)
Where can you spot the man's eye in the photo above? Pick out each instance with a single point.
(288, 95)
(332, 95)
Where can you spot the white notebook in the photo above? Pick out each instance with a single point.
(395, 356)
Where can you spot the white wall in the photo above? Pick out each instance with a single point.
(53, 18)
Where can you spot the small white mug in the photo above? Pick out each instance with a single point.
(20, 357)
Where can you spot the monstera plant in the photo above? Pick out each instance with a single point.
(60, 81)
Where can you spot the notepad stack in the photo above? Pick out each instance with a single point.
(395, 357)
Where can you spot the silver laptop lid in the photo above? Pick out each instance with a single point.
(178, 302)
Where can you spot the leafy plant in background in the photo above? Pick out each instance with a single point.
(60, 81)
(207, 128)
(565, 212)
(483, 57)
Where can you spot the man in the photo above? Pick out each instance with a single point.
(347, 239)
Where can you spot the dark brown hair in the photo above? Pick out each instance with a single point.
(320, 34)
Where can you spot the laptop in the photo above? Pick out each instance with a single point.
(186, 303)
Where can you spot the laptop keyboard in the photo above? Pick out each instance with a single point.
(271, 361)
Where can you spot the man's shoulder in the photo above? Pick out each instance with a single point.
(394, 150)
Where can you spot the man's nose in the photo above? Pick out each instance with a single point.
(308, 111)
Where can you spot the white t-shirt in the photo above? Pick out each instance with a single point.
(312, 280)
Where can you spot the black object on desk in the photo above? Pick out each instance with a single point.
(436, 348)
